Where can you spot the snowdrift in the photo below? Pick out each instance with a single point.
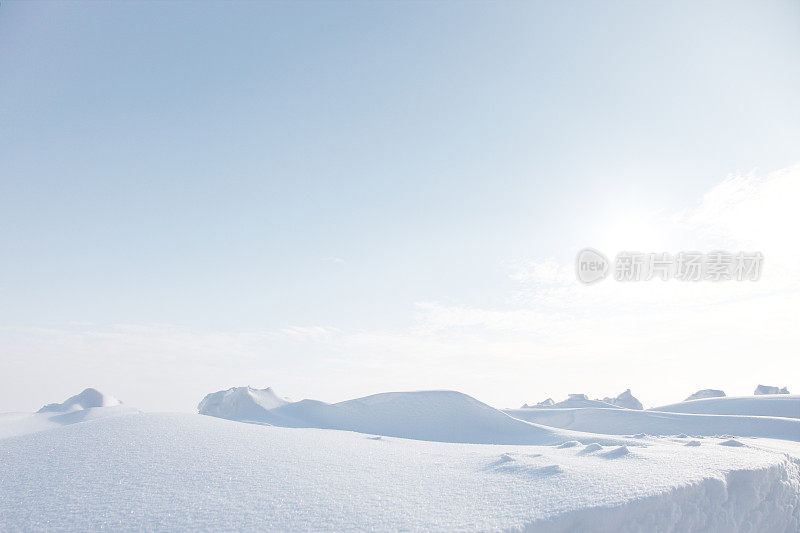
(632, 422)
(85, 400)
(89, 405)
(706, 393)
(186, 472)
(241, 403)
(783, 405)
(442, 416)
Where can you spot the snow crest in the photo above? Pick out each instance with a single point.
(441, 416)
(625, 400)
(87, 399)
(241, 403)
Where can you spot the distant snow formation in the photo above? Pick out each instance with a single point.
(626, 400)
(706, 393)
(85, 400)
(766, 389)
(241, 403)
(442, 416)
(544, 403)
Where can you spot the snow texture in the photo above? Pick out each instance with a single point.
(179, 472)
(88, 468)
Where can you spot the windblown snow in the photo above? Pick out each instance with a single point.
(344, 466)
(87, 399)
(443, 416)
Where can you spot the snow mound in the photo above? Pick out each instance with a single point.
(775, 405)
(87, 406)
(625, 400)
(441, 416)
(620, 451)
(591, 448)
(240, 403)
(705, 393)
(767, 389)
(85, 400)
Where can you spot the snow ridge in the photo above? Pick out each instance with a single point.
(439, 416)
(87, 399)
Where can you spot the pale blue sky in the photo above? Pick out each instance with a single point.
(255, 166)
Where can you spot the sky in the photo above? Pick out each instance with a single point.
(342, 198)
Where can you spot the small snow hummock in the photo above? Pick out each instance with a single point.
(767, 389)
(85, 400)
(591, 448)
(620, 451)
(706, 393)
(626, 400)
(732, 442)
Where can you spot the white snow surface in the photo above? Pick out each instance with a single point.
(442, 416)
(181, 472)
(633, 422)
(14, 424)
(465, 466)
(783, 405)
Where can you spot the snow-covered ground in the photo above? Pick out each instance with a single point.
(784, 405)
(115, 468)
